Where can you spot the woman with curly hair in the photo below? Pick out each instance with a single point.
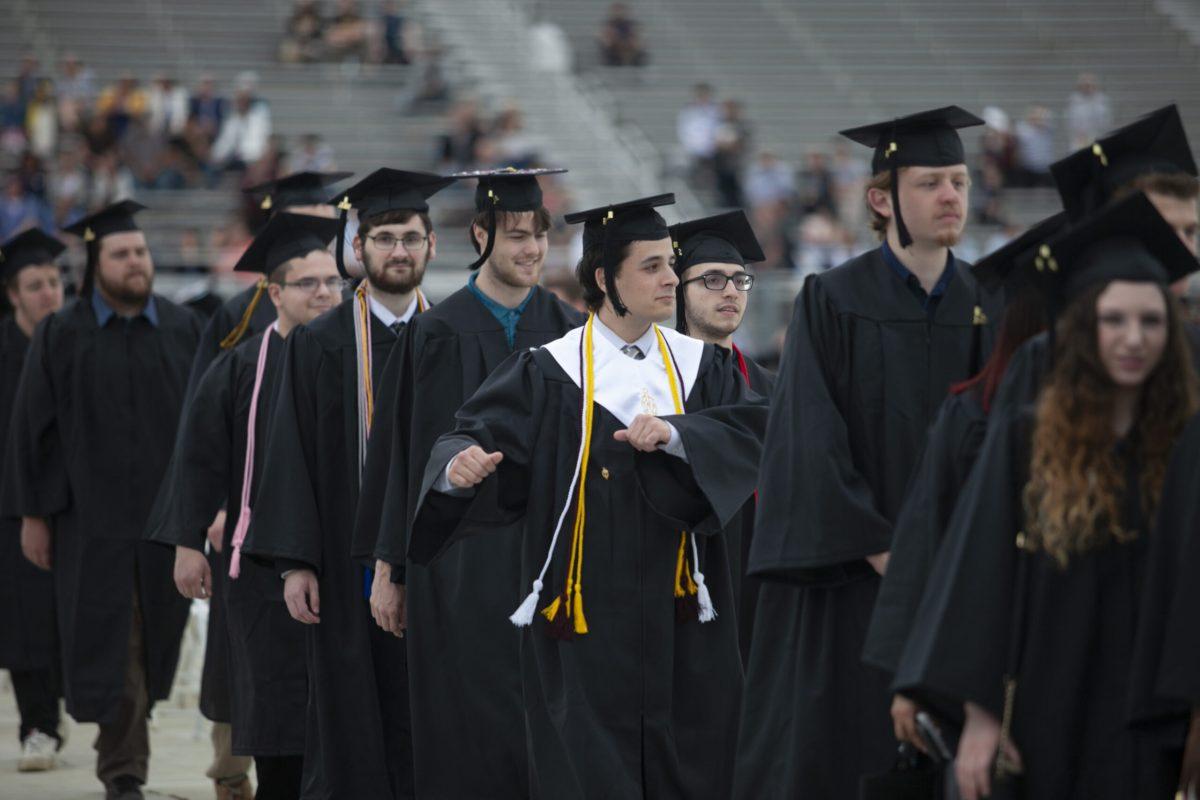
(1030, 618)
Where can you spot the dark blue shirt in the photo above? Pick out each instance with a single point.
(928, 300)
(104, 311)
(507, 317)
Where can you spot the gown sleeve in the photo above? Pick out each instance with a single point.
(816, 509)
(286, 525)
(952, 447)
(35, 472)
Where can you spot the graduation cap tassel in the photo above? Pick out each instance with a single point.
(338, 256)
(609, 256)
(486, 251)
(901, 228)
(234, 336)
(89, 267)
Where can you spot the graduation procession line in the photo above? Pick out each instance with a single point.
(503, 546)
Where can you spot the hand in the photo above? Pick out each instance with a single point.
(977, 753)
(193, 577)
(646, 433)
(904, 722)
(1189, 776)
(216, 531)
(879, 561)
(387, 601)
(472, 465)
(303, 596)
(36, 542)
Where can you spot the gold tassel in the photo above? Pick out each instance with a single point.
(239, 330)
(551, 611)
(580, 621)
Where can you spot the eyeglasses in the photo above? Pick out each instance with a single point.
(386, 242)
(310, 285)
(717, 281)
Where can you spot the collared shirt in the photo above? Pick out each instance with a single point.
(104, 312)
(384, 314)
(928, 300)
(507, 317)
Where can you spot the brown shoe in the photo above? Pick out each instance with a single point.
(241, 790)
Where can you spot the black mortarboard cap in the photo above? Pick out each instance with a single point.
(610, 226)
(1155, 143)
(926, 139)
(117, 218)
(1127, 240)
(28, 248)
(721, 239)
(386, 190)
(297, 189)
(997, 270)
(508, 189)
(284, 237)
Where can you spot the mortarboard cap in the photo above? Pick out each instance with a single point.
(1155, 143)
(284, 237)
(117, 218)
(28, 248)
(721, 239)
(1125, 241)
(382, 191)
(996, 270)
(926, 139)
(297, 189)
(609, 226)
(508, 189)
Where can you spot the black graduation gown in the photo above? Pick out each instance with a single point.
(464, 679)
(641, 706)
(863, 372)
(358, 728)
(93, 428)
(741, 533)
(215, 691)
(28, 640)
(950, 452)
(265, 658)
(1071, 712)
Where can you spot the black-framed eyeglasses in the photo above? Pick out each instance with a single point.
(310, 285)
(386, 242)
(717, 281)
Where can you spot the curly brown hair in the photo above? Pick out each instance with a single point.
(1072, 500)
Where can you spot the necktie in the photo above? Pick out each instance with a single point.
(396, 327)
(633, 351)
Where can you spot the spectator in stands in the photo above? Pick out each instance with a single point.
(395, 28)
(697, 127)
(76, 89)
(513, 145)
(41, 120)
(27, 76)
(12, 119)
(770, 189)
(1089, 113)
(431, 87)
(1035, 150)
(206, 109)
(246, 130)
(168, 106)
(110, 181)
(729, 160)
(68, 181)
(20, 210)
(456, 147)
(620, 40)
(347, 37)
(314, 155)
(815, 190)
(850, 173)
(119, 103)
(823, 243)
(304, 39)
(997, 145)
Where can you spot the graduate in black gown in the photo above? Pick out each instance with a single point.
(872, 349)
(950, 452)
(269, 682)
(93, 428)
(1151, 155)
(1031, 614)
(629, 658)
(28, 641)
(464, 678)
(358, 742)
(711, 255)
